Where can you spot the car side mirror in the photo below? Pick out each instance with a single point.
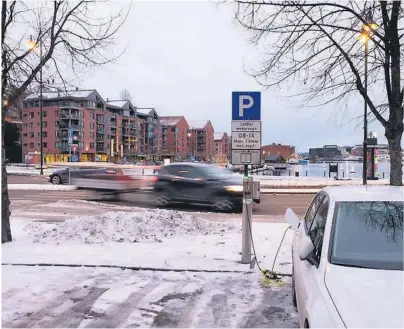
(305, 250)
(292, 219)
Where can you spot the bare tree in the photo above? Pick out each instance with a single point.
(316, 43)
(125, 95)
(73, 38)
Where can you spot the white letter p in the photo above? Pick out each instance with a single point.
(242, 106)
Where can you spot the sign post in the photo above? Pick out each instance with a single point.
(70, 142)
(246, 150)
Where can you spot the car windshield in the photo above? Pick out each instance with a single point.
(216, 171)
(368, 234)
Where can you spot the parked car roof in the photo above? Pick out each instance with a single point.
(365, 193)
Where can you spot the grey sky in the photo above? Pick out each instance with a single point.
(186, 57)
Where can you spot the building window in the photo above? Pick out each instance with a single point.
(81, 145)
(25, 115)
(44, 134)
(31, 115)
(25, 135)
(25, 125)
(91, 145)
(44, 124)
(31, 135)
(31, 125)
(91, 125)
(25, 145)
(45, 144)
(31, 145)
(57, 134)
(44, 114)
(57, 145)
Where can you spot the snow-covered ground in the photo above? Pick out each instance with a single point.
(128, 236)
(180, 251)
(113, 298)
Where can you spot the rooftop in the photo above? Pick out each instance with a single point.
(197, 124)
(62, 94)
(119, 103)
(170, 120)
(218, 136)
(364, 193)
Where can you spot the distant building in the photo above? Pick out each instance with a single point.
(357, 150)
(278, 149)
(274, 158)
(327, 152)
(174, 137)
(201, 140)
(222, 144)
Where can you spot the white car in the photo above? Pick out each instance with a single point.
(348, 258)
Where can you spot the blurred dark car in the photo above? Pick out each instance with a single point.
(198, 183)
(61, 176)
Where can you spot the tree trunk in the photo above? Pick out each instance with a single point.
(396, 166)
(5, 206)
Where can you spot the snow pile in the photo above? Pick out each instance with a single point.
(145, 225)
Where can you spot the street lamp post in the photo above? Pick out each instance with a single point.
(33, 45)
(365, 118)
(188, 145)
(365, 36)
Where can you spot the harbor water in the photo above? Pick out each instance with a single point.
(346, 169)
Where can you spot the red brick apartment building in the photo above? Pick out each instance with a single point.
(174, 130)
(277, 149)
(102, 130)
(222, 144)
(201, 140)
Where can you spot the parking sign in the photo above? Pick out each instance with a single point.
(246, 105)
(246, 128)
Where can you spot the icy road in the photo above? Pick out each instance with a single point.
(107, 298)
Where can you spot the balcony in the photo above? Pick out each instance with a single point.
(100, 120)
(73, 127)
(100, 149)
(73, 116)
(65, 138)
(100, 131)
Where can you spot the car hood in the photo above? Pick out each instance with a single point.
(366, 297)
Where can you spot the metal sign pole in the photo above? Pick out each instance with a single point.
(246, 150)
(70, 160)
(247, 218)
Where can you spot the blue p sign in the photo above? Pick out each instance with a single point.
(246, 105)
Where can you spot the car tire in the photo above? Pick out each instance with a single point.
(223, 204)
(56, 180)
(162, 199)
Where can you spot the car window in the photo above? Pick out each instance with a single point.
(308, 219)
(317, 227)
(368, 234)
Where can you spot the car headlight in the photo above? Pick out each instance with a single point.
(235, 188)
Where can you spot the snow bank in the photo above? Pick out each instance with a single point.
(145, 225)
(40, 187)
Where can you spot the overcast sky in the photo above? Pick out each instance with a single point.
(185, 58)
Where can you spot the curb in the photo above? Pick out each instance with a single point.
(40, 187)
(51, 187)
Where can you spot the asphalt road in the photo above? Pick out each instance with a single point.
(271, 205)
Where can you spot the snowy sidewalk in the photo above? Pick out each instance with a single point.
(113, 298)
(220, 252)
(138, 237)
